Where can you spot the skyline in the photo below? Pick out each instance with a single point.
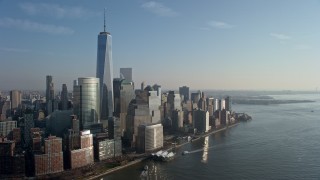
(232, 45)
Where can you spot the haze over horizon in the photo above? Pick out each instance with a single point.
(225, 45)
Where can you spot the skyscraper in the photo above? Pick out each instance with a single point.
(87, 101)
(64, 97)
(49, 94)
(105, 73)
(15, 97)
(116, 96)
(228, 103)
(126, 96)
(126, 73)
(184, 90)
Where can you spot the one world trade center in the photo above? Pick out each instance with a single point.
(105, 73)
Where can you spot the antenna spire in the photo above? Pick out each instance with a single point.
(104, 21)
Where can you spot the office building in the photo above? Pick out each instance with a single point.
(114, 131)
(210, 106)
(222, 104)
(224, 117)
(64, 97)
(86, 105)
(202, 104)
(141, 115)
(126, 73)
(105, 73)
(126, 96)
(201, 120)
(163, 107)
(145, 109)
(216, 105)
(154, 103)
(184, 91)
(150, 137)
(228, 103)
(195, 97)
(177, 120)
(173, 103)
(116, 96)
(16, 98)
(28, 124)
(49, 95)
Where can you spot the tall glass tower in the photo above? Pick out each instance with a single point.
(86, 103)
(105, 73)
(49, 95)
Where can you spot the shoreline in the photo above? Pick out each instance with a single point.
(116, 168)
(170, 148)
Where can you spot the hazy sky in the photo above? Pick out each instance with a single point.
(205, 44)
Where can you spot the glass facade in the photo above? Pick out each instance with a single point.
(105, 74)
(87, 101)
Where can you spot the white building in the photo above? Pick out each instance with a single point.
(150, 137)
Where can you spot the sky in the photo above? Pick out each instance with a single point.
(206, 44)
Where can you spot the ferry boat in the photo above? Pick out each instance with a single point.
(168, 157)
(163, 156)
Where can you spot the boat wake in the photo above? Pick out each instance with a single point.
(204, 148)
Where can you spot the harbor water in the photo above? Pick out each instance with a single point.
(281, 142)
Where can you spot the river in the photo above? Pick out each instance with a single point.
(281, 142)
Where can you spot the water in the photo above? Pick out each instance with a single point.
(281, 142)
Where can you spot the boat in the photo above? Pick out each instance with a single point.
(168, 157)
(162, 156)
(185, 152)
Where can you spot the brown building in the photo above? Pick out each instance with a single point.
(52, 159)
(84, 155)
(81, 157)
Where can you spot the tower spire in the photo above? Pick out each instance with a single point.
(104, 20)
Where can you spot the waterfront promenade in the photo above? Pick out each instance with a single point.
(145, 156)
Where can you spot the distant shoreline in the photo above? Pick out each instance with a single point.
(268, 101)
